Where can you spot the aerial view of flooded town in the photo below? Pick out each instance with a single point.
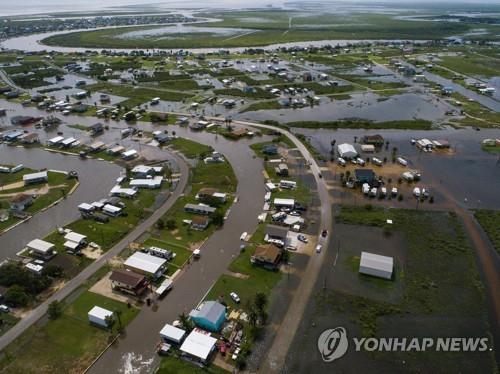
(288, 186)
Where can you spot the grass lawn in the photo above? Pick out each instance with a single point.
(173, 365)
(219, 176)
(137, 95)
(189, 148)
(8, 320)
(417, 124)
(490, 221)
(492, 148)
(181, 253)
(67, 344)
(262, 105)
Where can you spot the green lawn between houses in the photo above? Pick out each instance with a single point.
(68, 344)
(172, 365)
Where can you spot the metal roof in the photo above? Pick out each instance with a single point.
(145, 262)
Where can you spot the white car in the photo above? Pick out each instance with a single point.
(394, 191)
(235, 297)
(243, 236)
(4, 308)
(318, 248)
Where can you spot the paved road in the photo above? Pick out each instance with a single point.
(136, 353)
(76, 282)
(286, 332)
(5, 77)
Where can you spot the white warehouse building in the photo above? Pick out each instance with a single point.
(346, 150)
(376, 265)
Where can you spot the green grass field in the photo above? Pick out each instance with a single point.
(490, 221)
(269, 27)
(67, 344)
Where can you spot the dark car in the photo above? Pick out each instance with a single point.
(324, 233)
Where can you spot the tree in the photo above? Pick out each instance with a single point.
(16, 296)
(260, 302)
(55, 309)
(218, 218)
(53, 271)
(186, 323)
(118, 314)
(171, 224)
(253, 316)
(160, 224)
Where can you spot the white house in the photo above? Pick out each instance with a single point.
(346, 150)
(172, 333)
(100, 316)
(146, 264)
(41, 248)
(376, 265)
(35, 177)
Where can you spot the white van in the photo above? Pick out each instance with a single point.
(243, 236)
(164, 287)
(360, 161)
(377, 161)
(341, 161)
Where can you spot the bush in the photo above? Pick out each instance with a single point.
(55, 309)
(171, 224)
(53, 271)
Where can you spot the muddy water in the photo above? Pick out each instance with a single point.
(368, 106)
(468, 173)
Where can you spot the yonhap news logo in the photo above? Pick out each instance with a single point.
(334, 343)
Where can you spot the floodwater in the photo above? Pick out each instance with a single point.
(367, 106)
(172, 32)
(89, 171)
(468, 173)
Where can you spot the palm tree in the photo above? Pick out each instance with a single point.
(186, 322)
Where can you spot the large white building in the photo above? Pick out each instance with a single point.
(346, 150)
(376, 265)
(146, 264)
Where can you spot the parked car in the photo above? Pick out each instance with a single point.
(302, 238)
(324, 233)
(243, 236)
(235, 297)
(4, 308)
(318, 248)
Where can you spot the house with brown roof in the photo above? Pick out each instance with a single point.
(268, 256)
(200, 222)
(128, 281)
(20, 202)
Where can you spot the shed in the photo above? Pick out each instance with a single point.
(172, 333)
(376, 265)
(99, 316)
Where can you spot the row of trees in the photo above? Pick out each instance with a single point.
(23, 285)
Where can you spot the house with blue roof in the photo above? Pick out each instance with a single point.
(210, 315)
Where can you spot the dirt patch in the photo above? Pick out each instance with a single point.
(103, 287)
(92, 253)
(238, 275)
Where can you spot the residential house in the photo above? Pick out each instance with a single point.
(210, 315)
(20, 202)
(200, 222)
(129, 282)
(267, 256)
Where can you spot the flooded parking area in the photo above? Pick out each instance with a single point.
(467, 175)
